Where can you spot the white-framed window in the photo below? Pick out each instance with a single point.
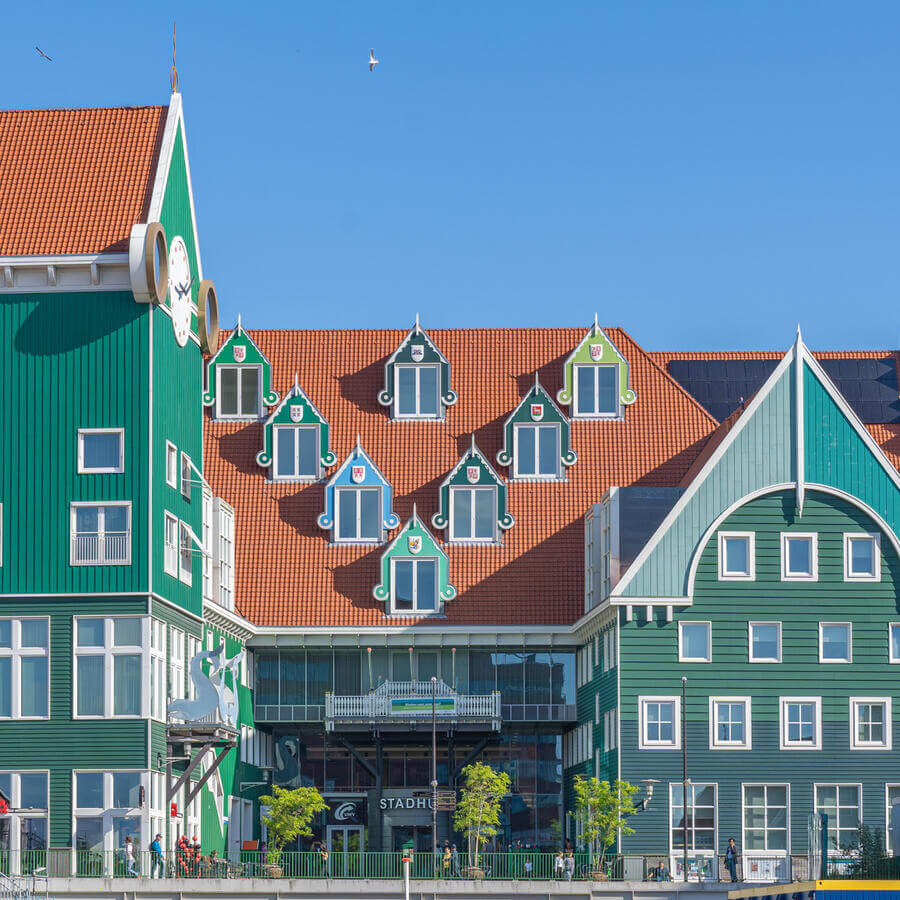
(871, 723)
(862, 556)
(596, 709)
(207, 537)
(414, 585)
(157, 670)
(737, 556)
(417, 391)
(473, 514)
(170, 536)
(238, 392)
(536, 451)
(107, 807)
(799, 556)
(193, 648)
(109, 676)
(764, 642)
(596, 391)
(23, 833)
(660, 723)
(357, 515)
(843, 805)
(894, 642)
(892, 818)
(800, 723)
(25, 668)
(766, 817)
(296, 452)
(100, 534)
(702, 816)
(835, 642)
(185, 555)
(610, 730)
(730, 723)
(186, 476)
(694, 642)
(171, 465)
(609, 649)
(176, 663)
(101, 450)
(223, 575)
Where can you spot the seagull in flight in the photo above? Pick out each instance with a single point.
(48, 58)
(372, 61)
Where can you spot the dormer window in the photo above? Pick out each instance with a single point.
(238, 394)
(417, 379)
(358, 514)
(296, 452)
(473, 514)
(536, 451)
(595, 390)
(415, 585)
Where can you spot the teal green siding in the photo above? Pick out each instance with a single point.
(72, 360)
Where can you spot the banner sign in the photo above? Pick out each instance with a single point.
(418, 706)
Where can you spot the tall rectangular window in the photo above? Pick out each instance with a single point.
(870, 723)
(185, 555)
(100, 534)
(736, 556)
(765, 641)
(358, 514)
(766, 816)
(108, 666)
(176, 663)
(799, 556)
(158, 670)
(659, 723)
(835, 642)
(171, 465)
(415, 585)
(842, 804)
(596, 392)
(537, 451)
(473, 514)
(892, 818)
(701, 816)
(101, 450)
(207, 537)
(186, 476)
(24, 668)
(170, 536)
(729, 723)
(23, 831)
(238, 394)
(225, 554)
(801, 723)
(862, 557)
(296, 451)
(417, 390)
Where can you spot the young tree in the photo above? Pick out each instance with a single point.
(290, 813)
(478, 810)
(604, 810)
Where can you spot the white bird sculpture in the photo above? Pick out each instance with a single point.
(372, 61)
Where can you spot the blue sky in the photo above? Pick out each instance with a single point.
(705, 174)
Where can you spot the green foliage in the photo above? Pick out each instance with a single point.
(604, 809)
(478, 810)
(290, 813)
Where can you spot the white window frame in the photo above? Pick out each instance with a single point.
(813, 539)
(750, 656)
(101, 534)
(891, 657)
(171, 465)
(839, 662)
(15, 849)
(838, 785)
(112, 470)
(857, 535)
(617, 413)
(186, 476)
(692, 827)
(223, 566)
(206, 535)
(714, 742)
(15, 654)
(177, 689)
(765, 829)
(246, 417)
(557, 473)
(170, 550)
(108, 812)
(185, 548)
(643, 743)
(379, 539)
(855, 743)
(751, 556)
(681, 655)
(454, 490)
(158, 679)
(417, 415)
(295, 477)
(891, 851)
(784, 743)
(194, 645)
(108, 651)
(415, 611)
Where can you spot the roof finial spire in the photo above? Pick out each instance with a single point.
(240, 327)
(358, 444)
(414, 515)
(473, 442)
(418, 328)
(296, 381)
(173, 74)
(596, 323)
(537, 382)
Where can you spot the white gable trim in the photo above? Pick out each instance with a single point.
(355, 453)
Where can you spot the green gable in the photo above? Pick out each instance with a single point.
(240, 349)
(296, 409)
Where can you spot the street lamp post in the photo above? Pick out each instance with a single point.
(434, 843)
(684, 778)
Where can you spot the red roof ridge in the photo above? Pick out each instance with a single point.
(47, 109)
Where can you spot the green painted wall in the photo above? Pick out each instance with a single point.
(649, 665)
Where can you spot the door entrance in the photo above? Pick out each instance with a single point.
(418, 839)
(345, 845)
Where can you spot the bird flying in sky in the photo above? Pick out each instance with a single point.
(48, 58)
(372, 61)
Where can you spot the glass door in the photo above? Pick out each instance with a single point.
(345, 844)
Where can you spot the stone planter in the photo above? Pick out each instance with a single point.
(270, 870)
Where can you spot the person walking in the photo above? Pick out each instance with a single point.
(156, 857)
(130, 871)
(731, 858)
(454, 860)
(570, 866)
(446, 861)
(559, 865)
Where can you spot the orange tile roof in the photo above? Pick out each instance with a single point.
(289, 574)
(75, 180)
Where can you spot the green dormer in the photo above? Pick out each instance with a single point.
(295, 440)
(473, 501)
(239, 379)
(595, 379)
(415, 577)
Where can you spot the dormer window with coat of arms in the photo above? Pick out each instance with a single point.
(536, 439)
(295, 440)
(238, 379)
(595, 379)
(417, 379)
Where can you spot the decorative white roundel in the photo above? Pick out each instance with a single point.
(180, 290)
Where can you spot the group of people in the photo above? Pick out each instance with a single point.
(189, 860)
(450, 861)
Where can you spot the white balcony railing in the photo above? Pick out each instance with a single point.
(109, 547)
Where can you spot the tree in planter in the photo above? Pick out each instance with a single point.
(604, 809)
(290, 813)
(478, 810)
